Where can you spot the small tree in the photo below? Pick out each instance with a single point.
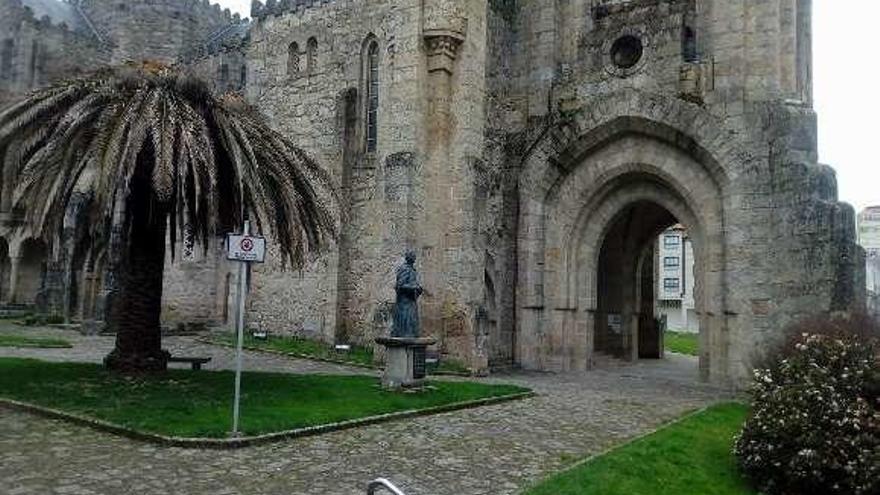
(142, 152)
(815, 424)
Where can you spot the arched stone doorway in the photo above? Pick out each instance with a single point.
(31, 271)
(616, 181)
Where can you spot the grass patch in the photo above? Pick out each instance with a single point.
(13, 316)
(301, 346)
(693, 457)
(682, 343)
(33, 342)
(450, 366)
(40, 320)
(316, 349)
(199, 403)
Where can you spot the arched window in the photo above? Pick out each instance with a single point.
(293, 59)
(312, 55)
(371, 91)
(689, 45)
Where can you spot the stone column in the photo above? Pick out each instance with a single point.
(6, 187)
(14, 263)
(440, 189)
(53, 291)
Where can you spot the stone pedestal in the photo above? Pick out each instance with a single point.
(404, 361)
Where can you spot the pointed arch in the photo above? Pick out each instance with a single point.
(623, 149)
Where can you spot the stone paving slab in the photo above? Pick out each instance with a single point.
(496, 449)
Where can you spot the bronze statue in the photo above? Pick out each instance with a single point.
(406, 309)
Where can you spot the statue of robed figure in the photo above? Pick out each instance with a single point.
(406, 309)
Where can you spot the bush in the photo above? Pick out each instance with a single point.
(815, 424)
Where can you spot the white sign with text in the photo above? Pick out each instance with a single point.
(246, 248)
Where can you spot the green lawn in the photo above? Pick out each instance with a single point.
(305, 347)
(199, 403)
(316, 349)
(692, 457)
(41, 342)
(682, 343)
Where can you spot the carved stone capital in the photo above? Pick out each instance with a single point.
(442, 49)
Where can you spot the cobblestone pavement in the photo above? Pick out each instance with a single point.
(490, 450)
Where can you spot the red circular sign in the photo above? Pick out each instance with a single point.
(247, 244)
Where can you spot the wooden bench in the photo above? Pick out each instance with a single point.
(195, 362)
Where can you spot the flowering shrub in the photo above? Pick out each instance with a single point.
(815, 425)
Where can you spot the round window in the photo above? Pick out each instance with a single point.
(626, 52)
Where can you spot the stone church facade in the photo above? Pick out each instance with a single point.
(530, 151)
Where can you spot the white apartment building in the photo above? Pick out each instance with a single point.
(869, 238)
(675, 280)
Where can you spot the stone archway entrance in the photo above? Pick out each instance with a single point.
(593, 198)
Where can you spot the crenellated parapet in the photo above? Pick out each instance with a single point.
(166, 30)
(261, 10)
(203, 10)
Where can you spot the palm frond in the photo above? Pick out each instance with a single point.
(210, 161)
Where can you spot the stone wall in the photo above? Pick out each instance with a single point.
(199, 286)
(425, 186)
(317, 98)
(36, 51)
(166, 30)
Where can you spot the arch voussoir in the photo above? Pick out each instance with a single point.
(619, 149)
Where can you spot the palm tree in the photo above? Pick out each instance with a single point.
(142, 152)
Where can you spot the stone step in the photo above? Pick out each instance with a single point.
(607, 361)
(16, 306)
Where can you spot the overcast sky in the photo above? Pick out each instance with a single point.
(847, 92)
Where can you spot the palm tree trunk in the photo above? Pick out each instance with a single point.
(136, 306)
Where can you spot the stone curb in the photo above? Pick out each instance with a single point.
(308, 357)
(588, 459)
(241, 442)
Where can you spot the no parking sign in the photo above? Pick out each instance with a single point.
(246, 248)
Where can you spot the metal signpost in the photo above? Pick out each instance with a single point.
(245, 249)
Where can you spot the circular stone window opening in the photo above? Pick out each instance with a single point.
(627, 51)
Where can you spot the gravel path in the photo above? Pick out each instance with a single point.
(491, 450)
